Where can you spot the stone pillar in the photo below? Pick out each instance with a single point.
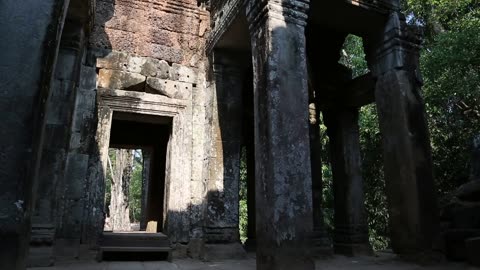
(351, 228)
(146, 176)
(411, 195)
(222, 226)
(59, 115)
(28, 55)
(282, 148)
(82, 191)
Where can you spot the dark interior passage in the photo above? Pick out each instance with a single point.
(152, 135)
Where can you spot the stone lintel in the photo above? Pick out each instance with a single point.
(354, 94)
(289, 11)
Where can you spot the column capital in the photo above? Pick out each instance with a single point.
(399, 46)
(289, 11)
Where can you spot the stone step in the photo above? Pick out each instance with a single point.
(135, 239)
(473, 251)
(134, 242)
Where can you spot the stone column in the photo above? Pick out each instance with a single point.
(223, 187)
(79, 209)
(146, 176)
(351, 229)
(28, 55)
(282, 148)
(411, 195)
(52, 166)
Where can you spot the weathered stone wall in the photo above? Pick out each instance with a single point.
(28, 52)
(149, 59)
(172, 30)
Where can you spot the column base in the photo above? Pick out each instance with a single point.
(322, 244)
(353, 250)
(41, 252)
(213, 252)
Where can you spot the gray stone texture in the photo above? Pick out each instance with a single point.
(411, 194)
(282, 153)
(223, 187)
(59, 116)
(350, 220)
(28, 53)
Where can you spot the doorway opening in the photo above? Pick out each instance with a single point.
(137, 180)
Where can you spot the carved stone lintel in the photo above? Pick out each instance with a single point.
(290, 11)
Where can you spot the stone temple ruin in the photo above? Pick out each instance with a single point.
(194, 82)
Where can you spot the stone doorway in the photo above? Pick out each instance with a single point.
(152, 135)
(145, 139)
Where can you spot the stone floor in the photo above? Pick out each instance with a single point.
(382, 262)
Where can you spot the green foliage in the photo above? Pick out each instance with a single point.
(353, 56)
(438, 16)
(451, 69)
(243, 196)
(374, 180)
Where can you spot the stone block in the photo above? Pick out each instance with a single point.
(134, 64)
(195, 248)
(156, 68)
(88, 78)
(183, 74)
(66, 62)
(171, 89)
(473, 251)
(215, 252)
(121, 80)
(76, 174)
(113, 60)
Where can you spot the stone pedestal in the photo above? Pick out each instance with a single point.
(282, 148)
(41, 253)
(351, 229)
(410, 186)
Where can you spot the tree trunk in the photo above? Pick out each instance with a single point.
(121, 176)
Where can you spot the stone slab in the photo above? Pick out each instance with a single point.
(473, 251)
